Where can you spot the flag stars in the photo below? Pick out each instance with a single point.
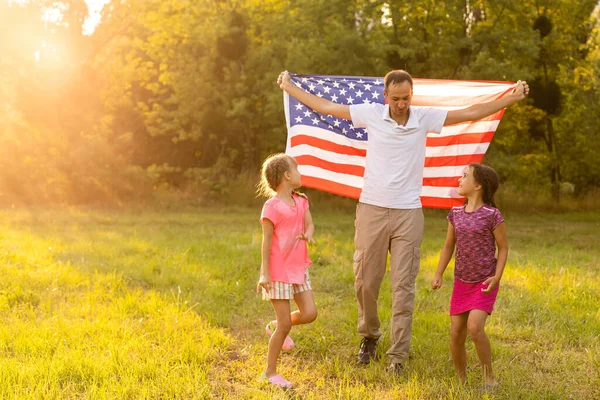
(351, 85)
(343, 92)
(336, 84)
(359, 135)
(321, 82)
(312, 87)
(359, 93)
(350, 100)
(366, 101)
(298, 84)
(368, 87)
(299, 106)
(319, 94)
(337, 123)
(326, 89)
(334, 98)
(304, 80)
(307, 113)
(298, 119)
(375, 95)
(315, 121)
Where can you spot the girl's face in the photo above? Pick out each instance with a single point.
(467, 184)
(295, 179)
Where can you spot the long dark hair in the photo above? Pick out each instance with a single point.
(488, 179)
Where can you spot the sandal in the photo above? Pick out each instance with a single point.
(276, 380)
(288, 343)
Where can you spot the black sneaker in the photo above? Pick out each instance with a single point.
(367, 350)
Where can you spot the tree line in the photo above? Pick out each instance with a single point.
(179, 96)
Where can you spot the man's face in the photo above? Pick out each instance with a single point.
(398, 97)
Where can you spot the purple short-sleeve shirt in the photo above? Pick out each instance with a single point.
(475, 242)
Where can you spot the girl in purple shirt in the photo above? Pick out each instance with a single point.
(287, 228)
(475, 229)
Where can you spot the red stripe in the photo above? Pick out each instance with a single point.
(432, 141)
(330, 166)
(331, 187)
(327, 145)
(357, 170)
(445, 181)
(451, 161)
(465, 138)
(438, 202)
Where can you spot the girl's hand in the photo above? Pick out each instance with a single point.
(304, 236)
(264, 282)
(492, 283)
(436, 282)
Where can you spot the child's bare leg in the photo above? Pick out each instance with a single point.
(458, 336)
(284, 325)
(476, 328)
(307, 309)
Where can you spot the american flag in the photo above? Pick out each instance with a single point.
(331, 152)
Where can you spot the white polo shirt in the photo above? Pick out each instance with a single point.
(395, 153)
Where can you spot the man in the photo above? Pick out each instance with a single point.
(389, 217)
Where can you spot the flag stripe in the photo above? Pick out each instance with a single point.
(436, 140)
(436, 202)
(323, 144)
(332, 187)
(453, 160)
(348, 169)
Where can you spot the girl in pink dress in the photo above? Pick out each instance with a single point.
(287, 228)
(475, 229)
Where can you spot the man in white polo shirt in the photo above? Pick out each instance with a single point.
(389, 217)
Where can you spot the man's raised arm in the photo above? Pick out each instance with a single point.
(482, 110)
(320, 104)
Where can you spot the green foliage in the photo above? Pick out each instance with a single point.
(191, 86)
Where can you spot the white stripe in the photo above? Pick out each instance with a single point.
(457, 149)
(470, 127)
(441, 192)
(330, 156)
(325, 134)
(440, 88)
(316, 172)
(443, 172)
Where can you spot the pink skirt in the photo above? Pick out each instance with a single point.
(468, 296)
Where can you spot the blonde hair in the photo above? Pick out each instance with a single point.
(272, 171)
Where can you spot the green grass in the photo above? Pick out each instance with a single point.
(132, 305)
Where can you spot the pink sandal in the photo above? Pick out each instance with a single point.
(276, 380)
(288, 343)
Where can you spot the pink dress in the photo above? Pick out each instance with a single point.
(475, 258)
(289, 255)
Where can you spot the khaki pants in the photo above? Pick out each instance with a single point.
(379, 230)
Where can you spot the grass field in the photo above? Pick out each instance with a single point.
(149, 305)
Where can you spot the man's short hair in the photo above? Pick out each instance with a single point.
(397, 76)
